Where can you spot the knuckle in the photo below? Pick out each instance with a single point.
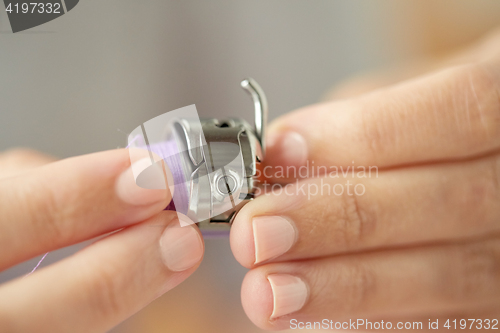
(359, 286)
(481, 270)
(478, 198)
(477, 272)
(490, 47)
(487, 193)
(18, 154)
(105, 295)
(359, 222)
(17, 160)
(376, 133)
(478, 106)
(46, 210)
(495, 175)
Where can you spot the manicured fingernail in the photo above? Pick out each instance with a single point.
(273, 236)
(143, 183)
(289, 148)
(289, 294)
(181, 247)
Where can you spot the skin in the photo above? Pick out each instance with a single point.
(423, 241)
(59, 203)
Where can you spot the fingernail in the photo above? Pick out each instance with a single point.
(273, 236)
(181, 247)
(289, 294)
(143, 183)
(289, 148)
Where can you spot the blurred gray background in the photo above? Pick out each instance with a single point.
(80, 83)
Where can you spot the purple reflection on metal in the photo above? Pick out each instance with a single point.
(172, 157)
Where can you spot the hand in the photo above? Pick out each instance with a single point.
(416, 236)
(45, 206)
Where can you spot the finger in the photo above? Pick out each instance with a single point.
(483, 50)
(413, 282)
(70, 201)
(445, 116)
(327, 216)
(16, 161)
(367, 82)
(106, 282)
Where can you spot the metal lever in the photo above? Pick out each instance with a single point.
(261, 109)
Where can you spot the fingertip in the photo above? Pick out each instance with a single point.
(257, 299)
(241, 239)
(259, 233)
(286, 148)
(181, 246)
(143, 183)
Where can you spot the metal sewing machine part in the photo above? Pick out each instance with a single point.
(214, 163)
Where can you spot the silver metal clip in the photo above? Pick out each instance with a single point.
(261, 110)
(225, 180)
(214, 163)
